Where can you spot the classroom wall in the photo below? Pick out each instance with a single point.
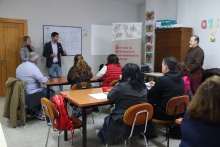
(80, 13)
(163, 9)
(191, 13)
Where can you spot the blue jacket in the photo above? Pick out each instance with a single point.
(198, 134)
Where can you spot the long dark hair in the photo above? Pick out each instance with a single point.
(132, 73)
(183, 69)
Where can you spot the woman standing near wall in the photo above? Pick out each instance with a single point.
(26, 48)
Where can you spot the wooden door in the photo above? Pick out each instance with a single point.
(11, 32)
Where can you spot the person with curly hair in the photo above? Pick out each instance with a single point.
(80, 71)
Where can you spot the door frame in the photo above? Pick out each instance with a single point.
(25, 32)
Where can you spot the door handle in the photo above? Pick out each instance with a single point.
(2, 60)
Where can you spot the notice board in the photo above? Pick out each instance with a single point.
(70, 37)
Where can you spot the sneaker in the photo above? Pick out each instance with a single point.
(40, 116)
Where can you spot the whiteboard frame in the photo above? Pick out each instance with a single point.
(44, 41)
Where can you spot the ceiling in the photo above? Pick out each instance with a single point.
(133, 1)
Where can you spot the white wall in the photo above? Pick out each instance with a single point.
(80, 13)
(191, 13)
(163, 9)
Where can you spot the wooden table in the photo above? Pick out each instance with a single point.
(62, 81)
(82, 99)
(153, 76)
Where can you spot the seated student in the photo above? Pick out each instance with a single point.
(166, 87)
(110, 71)
(185, 72)
(29, 73)
(131, 90)
(200, 125)
(80, 71)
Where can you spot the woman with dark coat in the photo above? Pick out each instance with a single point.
(131, 90)
(200, 125)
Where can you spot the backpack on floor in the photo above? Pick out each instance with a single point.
(62, 122)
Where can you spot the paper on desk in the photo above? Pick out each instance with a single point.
(148, 85)
(99, 96)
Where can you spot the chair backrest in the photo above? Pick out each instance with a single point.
(177, 105)
(113, 83)
(84, 85)
(49, 108)
(139, 111)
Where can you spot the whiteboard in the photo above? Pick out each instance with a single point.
(70, 37)
(101, 39)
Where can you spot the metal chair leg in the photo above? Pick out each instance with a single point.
(92, 118)
(100, 109)
(47, 136)
(125, 142)
(59, 138)
(168, 136)
(146, 140)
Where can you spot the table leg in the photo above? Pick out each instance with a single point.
(65, 132)
(84, 126)
(65, 136)
(48, 91)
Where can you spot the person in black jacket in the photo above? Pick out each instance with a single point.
(130, 91)
(166, 87)
(52, 52)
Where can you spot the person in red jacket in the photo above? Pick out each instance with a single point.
(110, 71)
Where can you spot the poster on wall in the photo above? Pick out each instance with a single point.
(149, 57)
(149, 48)
(126, 39)
(149, 15)
(149, 39)
(149, 28)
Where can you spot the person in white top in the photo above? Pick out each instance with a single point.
(29, 72)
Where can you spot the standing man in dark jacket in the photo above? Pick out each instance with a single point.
(166, 87)
(194, 60)
(52, 51)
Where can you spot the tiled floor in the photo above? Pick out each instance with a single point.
(34, 134)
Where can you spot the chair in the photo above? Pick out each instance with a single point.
(113, 83)
(176, 106)
(135, 116)
(83, 85)
(51, 112)
(178, 121)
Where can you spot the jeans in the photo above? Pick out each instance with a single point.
(57, 69)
